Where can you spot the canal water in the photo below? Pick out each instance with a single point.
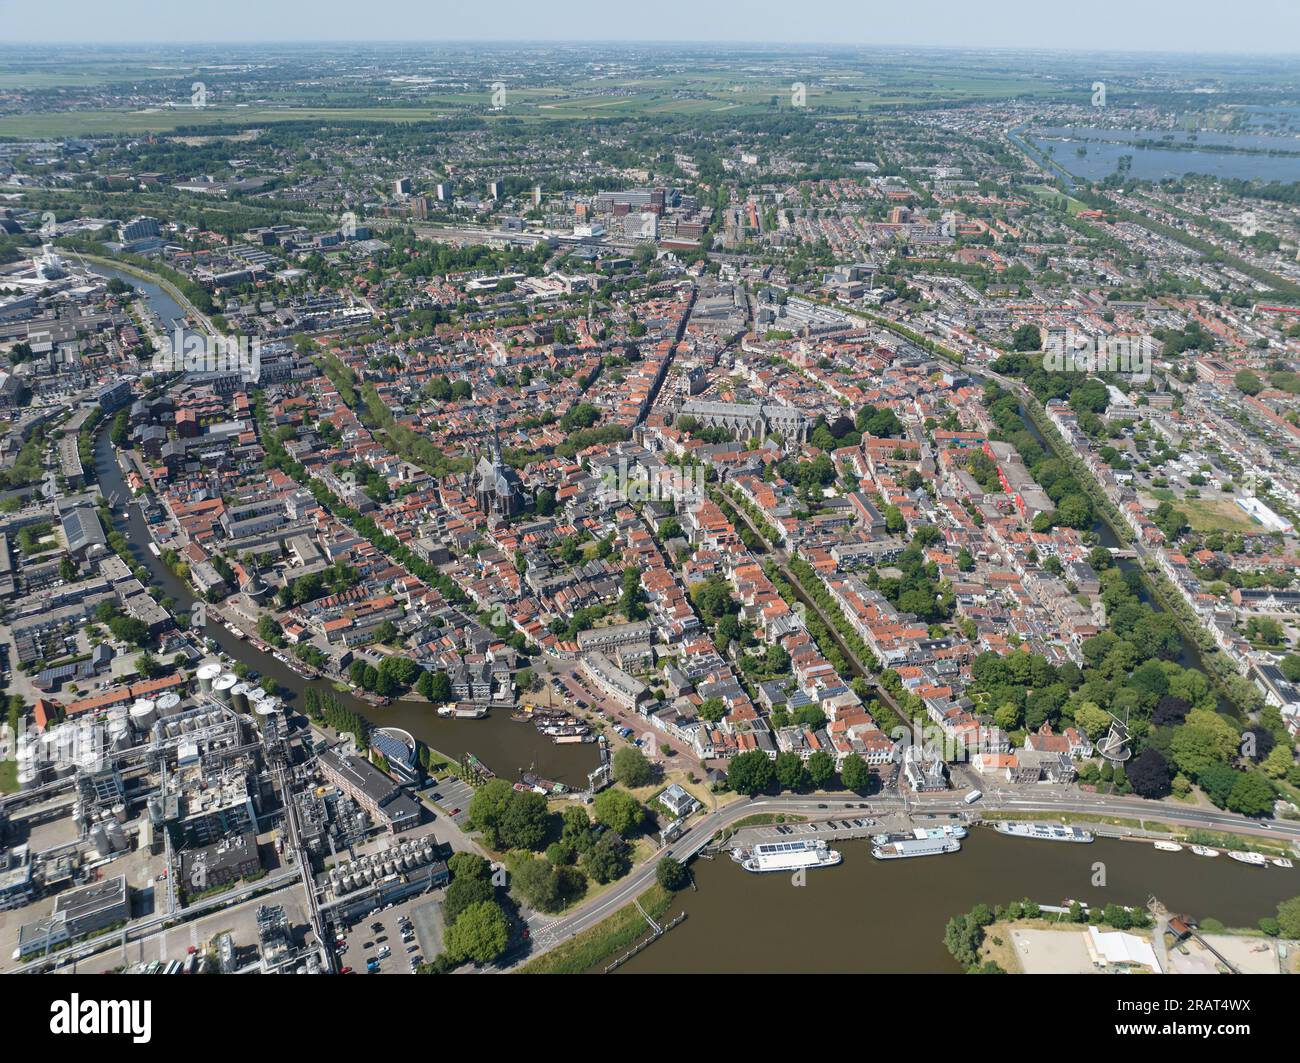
(888, 917)
(505, 746)
(1189, 655)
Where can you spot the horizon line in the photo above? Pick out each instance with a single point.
(661, 41)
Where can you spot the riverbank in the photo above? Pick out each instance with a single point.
(153, 278)
(869, 916)
(591, 948)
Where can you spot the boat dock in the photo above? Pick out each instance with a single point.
(853, 824)
(656, 932)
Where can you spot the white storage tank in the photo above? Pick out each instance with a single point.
(207, 675)
(143, 714)
(223, 685)
(168, 704)
(239, 696)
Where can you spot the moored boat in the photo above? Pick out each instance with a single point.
(786, 856)
(1253, 859)
(1169, 847)
(920, 834)
(904, 846)
(1048, 832)
(1204, 850)
(1282, 861)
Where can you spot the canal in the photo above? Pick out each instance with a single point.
(503, 745)
(888, 917)
(1189, 654)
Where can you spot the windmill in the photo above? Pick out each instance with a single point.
(1114, 747)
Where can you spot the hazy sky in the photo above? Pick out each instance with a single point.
(1269, 26)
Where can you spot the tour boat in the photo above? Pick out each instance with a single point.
(1048, 832)
(786, 856)
(905, 846)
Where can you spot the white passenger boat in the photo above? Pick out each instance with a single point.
(1253, 859)
(1204, 850)
(1169, 847)
(1282, 861)
(798, 855)
(921, 834)
(1047, 832)
(905, 846)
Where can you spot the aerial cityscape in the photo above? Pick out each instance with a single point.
(616, 505)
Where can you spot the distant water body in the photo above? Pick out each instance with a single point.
(1255, 155)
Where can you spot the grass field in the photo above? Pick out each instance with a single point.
(1207, 515)
(713, 88)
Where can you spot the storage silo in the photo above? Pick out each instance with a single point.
(168, 704)
(207, 675)
(239, 696)
(143, 714)
(223, 685)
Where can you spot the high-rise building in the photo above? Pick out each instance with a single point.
(141, 229)
(402, 186)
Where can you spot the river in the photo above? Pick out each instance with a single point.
(505, 746)
(887, 917)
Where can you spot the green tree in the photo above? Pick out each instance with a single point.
(1288, 918)
(464, 891)
(537, 883)
(618, 810)
(790, 771)
(671, 874)
(1205, 738)
(631, 768)
(1252, 795)
(855, 774)
(821, 769)
(751, 773)
(523, 824)
(480, 934)
(607, 859)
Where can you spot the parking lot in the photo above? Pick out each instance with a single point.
(854, 823)
(453, 797)
(395, 942)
